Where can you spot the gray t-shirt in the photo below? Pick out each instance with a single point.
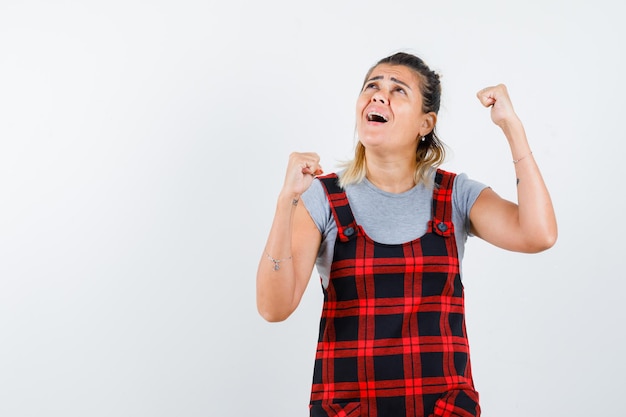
(387, 217)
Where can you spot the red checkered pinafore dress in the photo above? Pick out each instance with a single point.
(392, 339)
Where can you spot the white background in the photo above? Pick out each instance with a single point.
(143, 144)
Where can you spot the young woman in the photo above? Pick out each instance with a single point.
(387, 235)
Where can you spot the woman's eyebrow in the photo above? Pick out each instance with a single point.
(395, 80)
(378, 77)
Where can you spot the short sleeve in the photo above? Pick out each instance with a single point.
(316, 203)
(465, 193)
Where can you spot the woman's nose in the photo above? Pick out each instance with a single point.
(379, 98)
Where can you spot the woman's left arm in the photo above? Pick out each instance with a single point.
(530, 225)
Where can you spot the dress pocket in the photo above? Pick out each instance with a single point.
(460, 402)
(336, 410)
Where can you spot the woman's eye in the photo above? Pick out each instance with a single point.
(370, 85)
(400, 90)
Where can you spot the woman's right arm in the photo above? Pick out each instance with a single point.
(292, 245)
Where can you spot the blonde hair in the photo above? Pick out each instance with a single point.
(431, 151)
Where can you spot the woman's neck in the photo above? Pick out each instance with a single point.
(394, 176)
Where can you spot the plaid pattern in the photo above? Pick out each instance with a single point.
(392, 336)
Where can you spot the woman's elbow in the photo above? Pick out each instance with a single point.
(543, 242)
(272, 315)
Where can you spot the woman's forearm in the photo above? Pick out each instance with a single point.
(536, 213)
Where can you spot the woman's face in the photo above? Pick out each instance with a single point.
(389, 110)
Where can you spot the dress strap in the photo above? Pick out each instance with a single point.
(340, 207)
(441, 222)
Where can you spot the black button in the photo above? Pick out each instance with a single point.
(442, 226)
(349, 231)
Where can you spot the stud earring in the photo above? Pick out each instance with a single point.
(423, 138)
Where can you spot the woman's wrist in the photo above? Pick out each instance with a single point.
(285, 198)
(512, 127)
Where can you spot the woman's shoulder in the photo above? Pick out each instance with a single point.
(462, 181)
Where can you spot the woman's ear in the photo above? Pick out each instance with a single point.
(428, 123)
